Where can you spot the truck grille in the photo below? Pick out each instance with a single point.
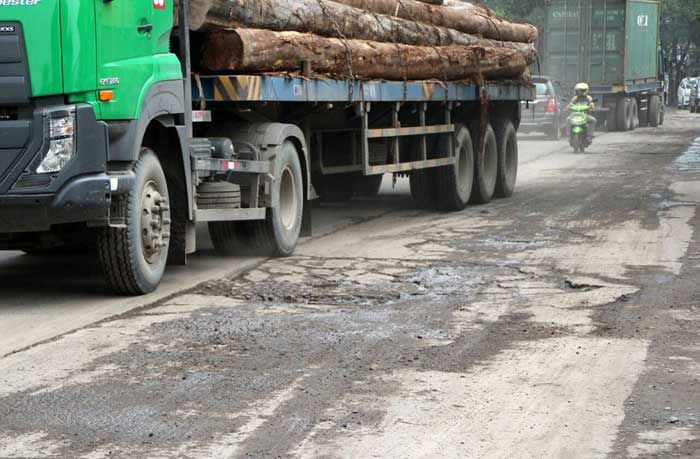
(14, 78)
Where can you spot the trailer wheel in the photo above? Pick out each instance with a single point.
(133, 258)
(654, 111)
(486, 162)
(635, 114)
(507, 140)
(368, 185)
(453, 184)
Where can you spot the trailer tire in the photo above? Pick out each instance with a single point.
(486, 164)
(507, 140)
(453, 183)
(635, 114)
(367, 185)
(133, 258)
(654, 111)
(622, 110)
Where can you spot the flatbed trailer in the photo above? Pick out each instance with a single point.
(247, 154)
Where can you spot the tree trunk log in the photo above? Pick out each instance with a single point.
(330, 19)
(256, 50)
(467, 19)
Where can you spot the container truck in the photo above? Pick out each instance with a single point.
(107, 135)
(613, 45)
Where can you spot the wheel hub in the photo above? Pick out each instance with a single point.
(155, 222)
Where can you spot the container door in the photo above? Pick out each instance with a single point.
(607, 42)
(643, 37)
(563, 39)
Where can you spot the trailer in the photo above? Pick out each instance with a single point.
(129, 147)
(613, 45)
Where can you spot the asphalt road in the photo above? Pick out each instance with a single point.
(562, 322)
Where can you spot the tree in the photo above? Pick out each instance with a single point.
(680, 38)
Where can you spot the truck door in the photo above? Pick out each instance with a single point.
(126, 43)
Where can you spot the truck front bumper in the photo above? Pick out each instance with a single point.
(80, 192)
(85, 199)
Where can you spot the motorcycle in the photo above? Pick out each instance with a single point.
(578, 127)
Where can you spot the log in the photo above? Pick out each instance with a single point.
(466, 18)
(331, 19)
(256, 50)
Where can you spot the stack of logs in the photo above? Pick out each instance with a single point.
(362, 39)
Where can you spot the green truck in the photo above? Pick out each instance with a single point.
(613, 45)
(111, 137)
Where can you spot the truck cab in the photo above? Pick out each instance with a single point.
(81, 85)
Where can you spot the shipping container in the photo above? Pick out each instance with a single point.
(613, 45)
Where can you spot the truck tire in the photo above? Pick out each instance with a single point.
(507, 140)
(133, 258)
(453, 184)
(654, 111)
(367, 185)
(278, 233)
(486, 164)
(623, 114)
(635, 114)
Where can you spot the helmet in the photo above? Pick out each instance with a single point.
(581, 89)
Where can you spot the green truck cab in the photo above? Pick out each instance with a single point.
(102, 147)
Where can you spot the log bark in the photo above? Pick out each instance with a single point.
(256, 50)
(331, 19)
(467, 18)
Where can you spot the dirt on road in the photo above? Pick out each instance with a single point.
(563, 322)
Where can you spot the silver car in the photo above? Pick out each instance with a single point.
(545, 113)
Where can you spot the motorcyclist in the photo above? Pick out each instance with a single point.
(582, 97)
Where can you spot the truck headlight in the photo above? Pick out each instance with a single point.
(61, 142)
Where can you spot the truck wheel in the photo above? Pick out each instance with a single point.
(367, 185)
(654, 111)
(486, 164)
(635, 114)
(278, 234)
(622, 110)
(453, 184)
(133, 258)
(507, 140)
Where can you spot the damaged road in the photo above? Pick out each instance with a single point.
(560, 322)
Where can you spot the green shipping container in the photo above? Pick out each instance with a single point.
(607, 43)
